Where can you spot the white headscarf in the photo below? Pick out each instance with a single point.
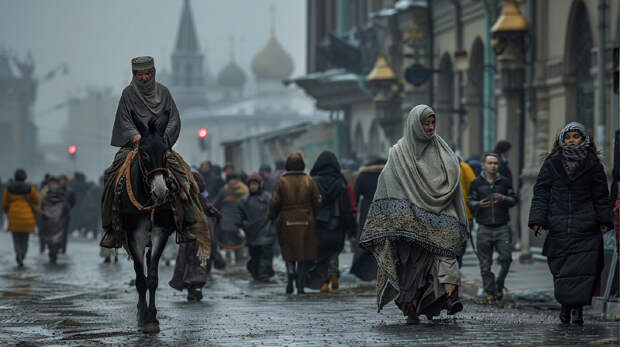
(423, 169)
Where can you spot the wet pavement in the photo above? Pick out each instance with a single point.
(81, 301)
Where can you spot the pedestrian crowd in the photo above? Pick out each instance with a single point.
(408, 219)
(55, 208)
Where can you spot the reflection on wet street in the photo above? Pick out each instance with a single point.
(81, 301)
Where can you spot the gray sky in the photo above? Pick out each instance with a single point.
(98, 38)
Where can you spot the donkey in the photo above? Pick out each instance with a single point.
(145, 213)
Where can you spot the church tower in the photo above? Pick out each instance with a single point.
(187, 79)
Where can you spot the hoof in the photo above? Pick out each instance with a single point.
(151, 328)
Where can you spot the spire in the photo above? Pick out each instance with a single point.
(187, 40)
(232, 49)
(272, 10)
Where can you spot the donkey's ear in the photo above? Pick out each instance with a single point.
(162, 124)
(139, 125)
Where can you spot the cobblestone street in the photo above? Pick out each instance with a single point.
(81, 301)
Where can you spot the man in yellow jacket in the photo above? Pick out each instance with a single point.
(18, 200)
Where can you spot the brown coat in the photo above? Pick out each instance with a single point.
(296, 201)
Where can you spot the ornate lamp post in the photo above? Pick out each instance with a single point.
(510, 41)
(388, 100)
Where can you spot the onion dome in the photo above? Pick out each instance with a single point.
(272, 62)
(231, 75)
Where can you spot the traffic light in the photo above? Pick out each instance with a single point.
(202, 138)
(72, 150)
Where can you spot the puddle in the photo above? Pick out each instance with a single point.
(98, 335)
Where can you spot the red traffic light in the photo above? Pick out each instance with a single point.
(202, 133)
(72, 149)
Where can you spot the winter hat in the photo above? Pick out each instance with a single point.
(256, 178)
(20, 175)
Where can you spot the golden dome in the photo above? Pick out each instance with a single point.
(272, 62)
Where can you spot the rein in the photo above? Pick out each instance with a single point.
(125, 171)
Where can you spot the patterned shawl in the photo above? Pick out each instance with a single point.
(418, 199)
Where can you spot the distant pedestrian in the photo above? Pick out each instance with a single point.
(214, 182)
(259, 230)
(364, 265)
(227, 202)
(571, 201)
(490, 196)
(502, 148)
(334, 222)
(295, 202)
(474, 162)
(55, 211)
(19, 199)
(417, 223)
(268, 180)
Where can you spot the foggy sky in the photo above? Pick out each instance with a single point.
(98, 38)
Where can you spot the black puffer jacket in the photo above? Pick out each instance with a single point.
(573, 211)
(254, 210)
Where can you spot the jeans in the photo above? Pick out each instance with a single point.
(298, 270)
(490, 239)
(20, 244)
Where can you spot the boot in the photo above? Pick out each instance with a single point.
(454, 303)
(289, 285)
(412, 316)
(577, 314)
(300, 286)
(565, 314)
(334, 280)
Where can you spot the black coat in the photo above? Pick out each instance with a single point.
(335, 218)
(573, 210)
(364, 265)
(497, 213)
(254, 211)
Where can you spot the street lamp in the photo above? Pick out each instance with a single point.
(510, 42)
(388, 100)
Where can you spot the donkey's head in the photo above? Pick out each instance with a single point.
(152, 152)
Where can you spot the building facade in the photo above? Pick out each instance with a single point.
(441, 53)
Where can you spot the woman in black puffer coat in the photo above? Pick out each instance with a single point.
(571, 201)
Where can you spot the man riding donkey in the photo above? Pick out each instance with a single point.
(146, 101)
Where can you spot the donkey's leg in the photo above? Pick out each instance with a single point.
(137, 240)
(159, 237)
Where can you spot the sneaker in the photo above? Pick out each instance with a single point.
(324, 288)
(490, 299)
(334, 281)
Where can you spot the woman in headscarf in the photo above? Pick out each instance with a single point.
(572, 202)
(295, 202)
(334, 221)
(417, 222)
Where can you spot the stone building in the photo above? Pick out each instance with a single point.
(18, 133)
(441, 53)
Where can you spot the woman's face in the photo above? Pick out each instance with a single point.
(572, 139)
(429, 126)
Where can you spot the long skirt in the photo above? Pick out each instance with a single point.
(421, 275)
(187, 271)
